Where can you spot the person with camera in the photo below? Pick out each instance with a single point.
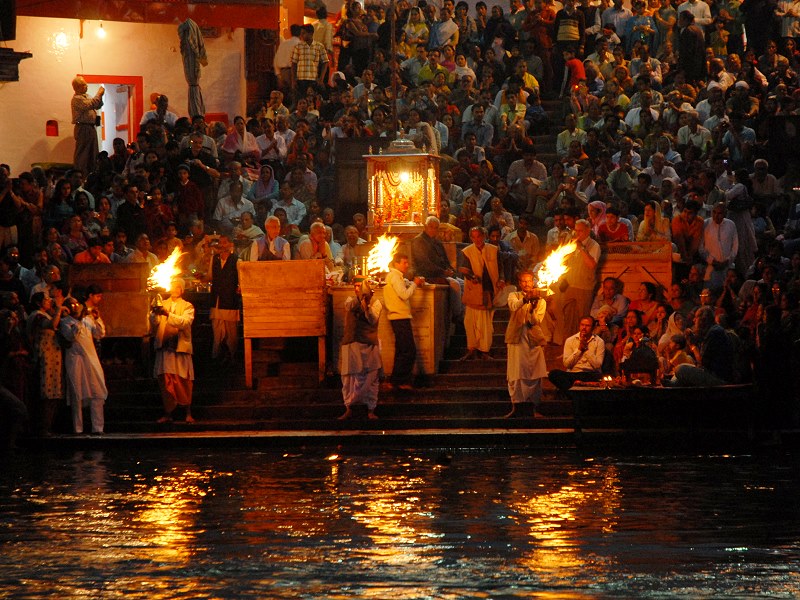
(86, 384)
(360, 355)
(525, 338)
(171, 326)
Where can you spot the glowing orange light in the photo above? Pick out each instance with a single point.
(161, 276)
(554, 266)
(380, 257)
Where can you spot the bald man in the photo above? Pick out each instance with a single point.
(84, 117)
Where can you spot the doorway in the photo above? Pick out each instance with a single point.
(123, 107)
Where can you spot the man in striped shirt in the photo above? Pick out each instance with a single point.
(309, 62)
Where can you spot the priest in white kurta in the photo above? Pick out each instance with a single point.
(525, 339)
(480, 266)
(360, 355)
(171, 325)
(86, 383)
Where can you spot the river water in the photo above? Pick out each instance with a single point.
(450, 524)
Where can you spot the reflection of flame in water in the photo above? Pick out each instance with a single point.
(589, 496)
(554, 265)
(392, 515)
(381, 254)
(161, 275)
(169, 508)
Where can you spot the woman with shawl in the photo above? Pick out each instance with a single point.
(266, 189)
(240, 144)
(654, 227)
(597, 215)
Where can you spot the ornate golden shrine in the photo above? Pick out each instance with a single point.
(403, 188)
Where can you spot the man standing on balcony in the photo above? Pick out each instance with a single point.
(84, 117)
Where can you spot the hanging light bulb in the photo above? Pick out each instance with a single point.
(101, 33)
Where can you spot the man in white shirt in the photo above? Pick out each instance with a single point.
(693, 133)
(583, 357)
(412, 66)
(715, 94)
(160, 114)
(569, 134)
(231, 207)
(701, 12)
(271, 246)
(295, 210)
(282, 62)
(451, 192)
(315, 245)
(396, 297)
(719, 246)
(659, 171)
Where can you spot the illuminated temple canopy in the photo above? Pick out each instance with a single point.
(403, 188)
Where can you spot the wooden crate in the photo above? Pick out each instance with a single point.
(283, 299)
(636, 262)
(126, 303)
(429, 313)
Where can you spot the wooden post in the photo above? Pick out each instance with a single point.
(248, 362)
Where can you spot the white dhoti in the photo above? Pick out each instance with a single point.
(360, 368)
(525, 371)
(479, 328)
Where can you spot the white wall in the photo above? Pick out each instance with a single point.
(150, 51)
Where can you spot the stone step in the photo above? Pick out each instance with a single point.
(384, 423)
(496, 403)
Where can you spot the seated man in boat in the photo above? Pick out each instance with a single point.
(712, 350)
(583, 357)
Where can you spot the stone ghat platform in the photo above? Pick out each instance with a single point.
(461, 406)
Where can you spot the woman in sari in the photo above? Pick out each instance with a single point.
(646, 304)
(654, 226)
(240, 144)
(266, 189)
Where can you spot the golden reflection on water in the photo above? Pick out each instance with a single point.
(388, 508)
(169, 508)
(588, 500)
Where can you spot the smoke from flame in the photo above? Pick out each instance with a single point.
(161, 276)
(554, 267)
(380, 257)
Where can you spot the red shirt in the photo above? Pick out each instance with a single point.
(86, 258)
(576, 73)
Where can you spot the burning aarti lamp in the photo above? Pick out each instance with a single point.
(403, 187)
(161, 278)
(554, 267)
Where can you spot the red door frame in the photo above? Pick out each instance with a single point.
(136, 100)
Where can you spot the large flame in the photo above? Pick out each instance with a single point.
(554, 267)
(161, 276)
(380, 257)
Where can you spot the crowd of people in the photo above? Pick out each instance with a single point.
(677, 127)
